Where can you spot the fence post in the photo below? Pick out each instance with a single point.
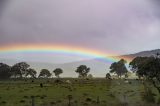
(33, 104)
(98, 101)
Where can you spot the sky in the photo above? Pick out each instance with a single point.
(118, 26)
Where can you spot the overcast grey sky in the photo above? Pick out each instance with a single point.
(121, 26)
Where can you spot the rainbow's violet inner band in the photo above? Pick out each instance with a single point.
(60, 49)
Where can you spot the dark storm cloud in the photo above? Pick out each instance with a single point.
(122, 26)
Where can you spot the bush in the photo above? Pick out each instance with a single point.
(88, 99)
(25, 96)
(3, 102)
(52, 103)
(58, 81)
(22, 101)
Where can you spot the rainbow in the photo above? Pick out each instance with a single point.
(62, 49)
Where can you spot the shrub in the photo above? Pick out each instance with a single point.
(88, 99)
(42, 97)
(52, 103)
(22, 101)
(25, 96)
(3, 102)
(58, 81)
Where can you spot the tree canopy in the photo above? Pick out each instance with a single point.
(82, 70)
(57, 72)
(44, 73)
(5, 71)
(31, 72)
(119, 68)
(20, 69)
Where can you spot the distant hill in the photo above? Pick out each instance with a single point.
(142, 54)
(98, 68)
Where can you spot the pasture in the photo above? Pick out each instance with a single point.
(80, 92)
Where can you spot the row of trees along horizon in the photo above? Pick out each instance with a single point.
(147, 68)
(23, 70)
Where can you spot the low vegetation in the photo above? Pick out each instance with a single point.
(95, 92)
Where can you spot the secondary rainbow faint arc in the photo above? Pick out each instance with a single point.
(59, 49)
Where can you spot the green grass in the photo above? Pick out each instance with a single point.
(84, 93)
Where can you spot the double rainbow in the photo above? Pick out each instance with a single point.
(49, 48)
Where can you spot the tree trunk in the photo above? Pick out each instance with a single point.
(120, 76)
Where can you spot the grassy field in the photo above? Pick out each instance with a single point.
(95, 92)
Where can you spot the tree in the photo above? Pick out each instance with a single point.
(20, 69)
(5, 71)
(119, 67)
(108, 76)
(44, 73)
(82, 70)
(57, 72)
(148, 67)
(137, 63)
(90, 76)
(31, 72)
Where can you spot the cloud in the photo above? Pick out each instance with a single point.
(3, 4)
(121, 26)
